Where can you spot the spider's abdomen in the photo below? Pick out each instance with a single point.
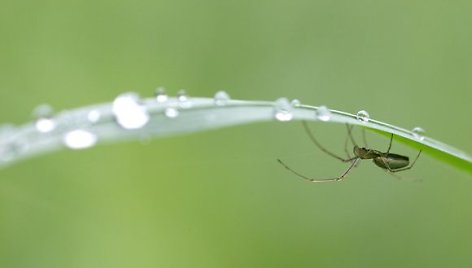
(392, 161)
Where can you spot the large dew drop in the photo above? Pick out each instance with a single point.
(283, 110)
(171, 112)
(44, 122)
(161, 95)
(323, 113)
(79, 139)
(221, 98)
(183, 99)
(129, 112)
(45, 125)
(418, 133)
(363, 116)
(295, 103)
(94, 116)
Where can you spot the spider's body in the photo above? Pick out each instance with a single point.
(388, 161)
(385, 160)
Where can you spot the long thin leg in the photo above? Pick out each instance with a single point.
(312, 138)
(340, 178)
(351, 138)
(349, 133)
(346, 142)
(410, 166)
(390, 144)
(388, 169)
(400, 169)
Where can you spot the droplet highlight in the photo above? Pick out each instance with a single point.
(171, 112)
(221, 98)
(44, 122)
(129, 112)
(363, 116)
(418, 133)
(283, 110)
(183, 99)
(161, 95)
(45, 125)
(79, 139)
(94, 116)
(295, 103)
(323, 113)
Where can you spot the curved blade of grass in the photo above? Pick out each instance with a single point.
(198, 114)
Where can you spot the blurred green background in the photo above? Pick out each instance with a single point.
(219, 198)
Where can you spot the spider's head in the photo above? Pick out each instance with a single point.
(364, 153)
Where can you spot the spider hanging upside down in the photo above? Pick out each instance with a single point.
(388, 161)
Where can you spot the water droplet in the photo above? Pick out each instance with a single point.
(94, 116)
(184, 101)
(295, 103)
(44, 123)
(161, 95)
(363, 116)
(129, 112)
(418, 133)
(323, 113)
(283, 110)
(171, 112)
(221, 98)
(79, 139)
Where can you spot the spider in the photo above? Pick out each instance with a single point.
(390, 162)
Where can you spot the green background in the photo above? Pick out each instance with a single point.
(219, 198)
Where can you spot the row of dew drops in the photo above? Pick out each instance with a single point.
(128, 110)
(130, 113)
(284, 112)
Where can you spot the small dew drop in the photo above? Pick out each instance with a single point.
(171, 112)
(129, 112)
(323, 113)
(161, 95)
(418, 133)
(79, 139)
(94, 116)
(221, 98)
(184, 101)
(363, 116)
(45, 125)
(283, 110)
(43, 114)
(295, 103)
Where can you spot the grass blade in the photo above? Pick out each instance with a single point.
(103, 123)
